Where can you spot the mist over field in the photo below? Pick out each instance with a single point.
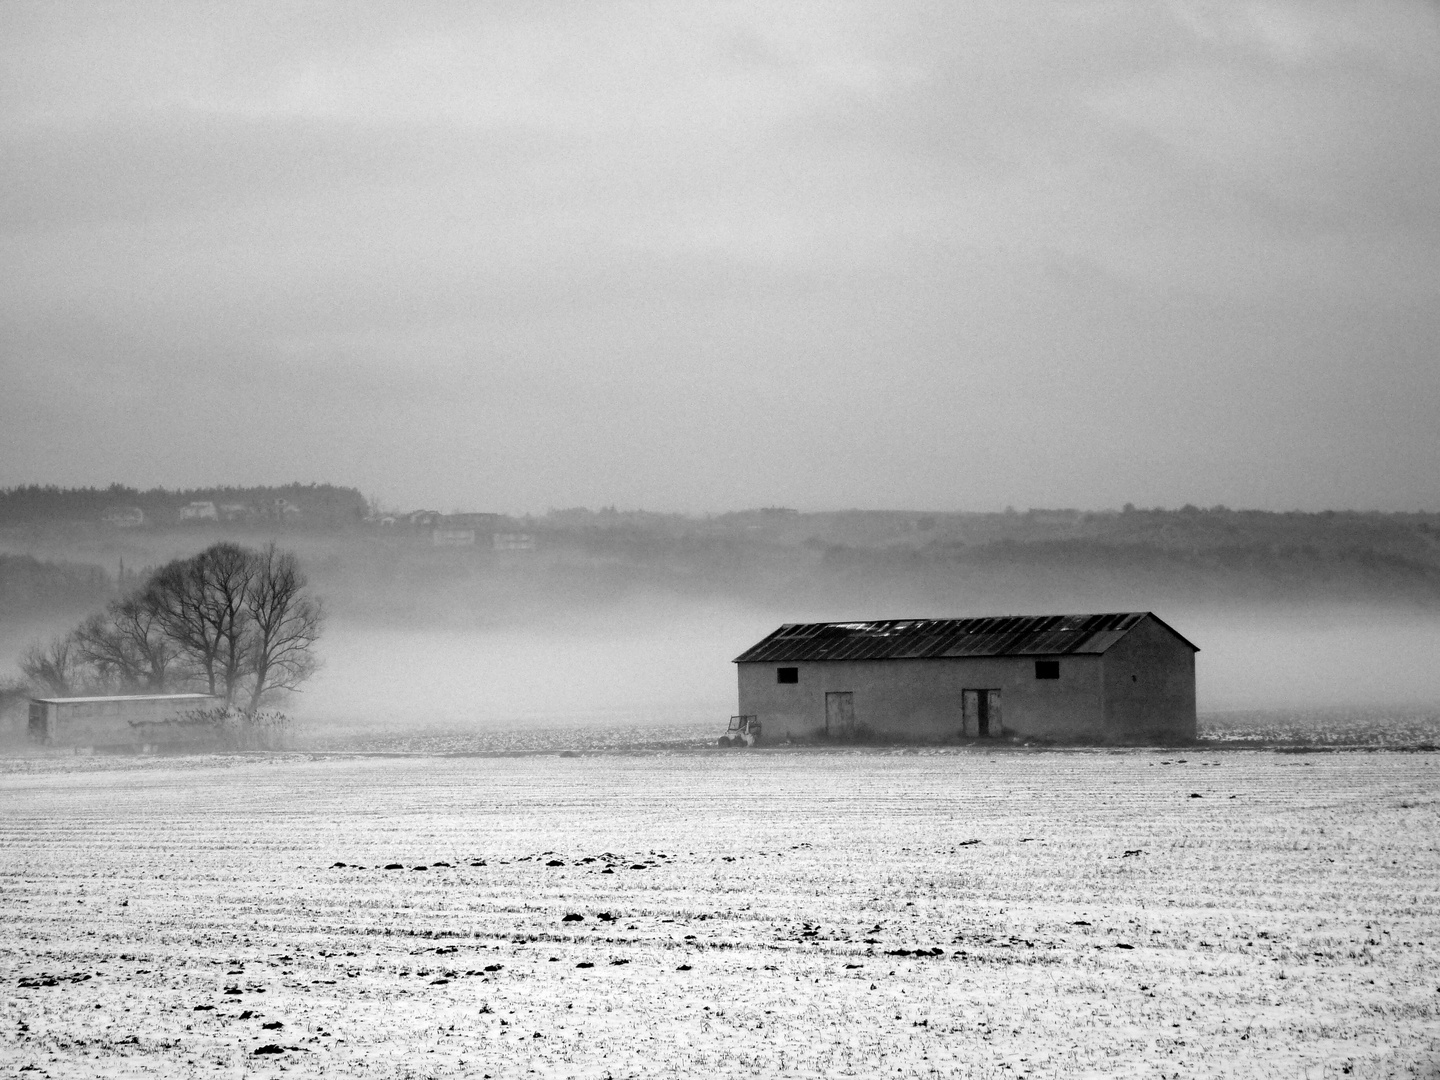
(615, 618)
(672, 666)
(662, 665)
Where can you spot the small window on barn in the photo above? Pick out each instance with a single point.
(1047, 669)
(787, 674)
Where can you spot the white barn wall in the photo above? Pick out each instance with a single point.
(921, 699)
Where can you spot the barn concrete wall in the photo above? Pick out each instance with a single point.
(1149, 677)
(921, 699)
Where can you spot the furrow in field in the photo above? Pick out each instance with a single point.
(1064, 913)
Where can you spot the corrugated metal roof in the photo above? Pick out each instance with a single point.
(904, 639)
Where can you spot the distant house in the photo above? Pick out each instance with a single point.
(134, 722)
(1119, 678)
(478, 522)
(235, 512)
(448, 537)
(284, 510)
(423, 519)
(199, 511)
(513, 542)
(123, 517)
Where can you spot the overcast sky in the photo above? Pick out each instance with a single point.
(702, 256)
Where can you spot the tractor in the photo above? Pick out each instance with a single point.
(743, 731)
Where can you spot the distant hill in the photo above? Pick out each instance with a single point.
(879, 563)
(923, 562)
(295, 505)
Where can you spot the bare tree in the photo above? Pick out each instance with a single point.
(159, 658)
(96, 644)
(200, 604)
(127, 646)
(228, 570)
(241, 621)
(52, 667)
(174, 595)
(283, 624)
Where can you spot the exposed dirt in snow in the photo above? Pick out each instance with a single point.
(865, 913)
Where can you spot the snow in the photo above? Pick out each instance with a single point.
(1284, 923)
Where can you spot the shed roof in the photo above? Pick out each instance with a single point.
(912, 639)
(125, 697)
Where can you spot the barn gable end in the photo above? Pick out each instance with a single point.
(1149, 686)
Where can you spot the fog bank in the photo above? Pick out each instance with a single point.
(673, 666)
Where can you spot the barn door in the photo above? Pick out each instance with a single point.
(981, 710)
(840, 713)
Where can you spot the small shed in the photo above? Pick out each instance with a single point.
(137, 721)
(1124, 677)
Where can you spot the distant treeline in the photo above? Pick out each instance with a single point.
(295, 505)
(1414, 537)
(1386, 553)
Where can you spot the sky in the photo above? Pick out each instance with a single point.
(705, 256)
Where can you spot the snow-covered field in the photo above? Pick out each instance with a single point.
(997, 913)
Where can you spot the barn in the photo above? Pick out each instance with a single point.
(138, 721)
(1126, 677)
